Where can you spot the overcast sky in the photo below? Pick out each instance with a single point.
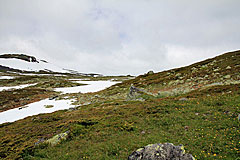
(115, 37)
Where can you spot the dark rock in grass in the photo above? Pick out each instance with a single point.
(166, 151)
(238, 117)
(72, 109)
(52, 98)
(150, 72)
(22, 107)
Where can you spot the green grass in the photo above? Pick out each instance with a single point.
(207, 126)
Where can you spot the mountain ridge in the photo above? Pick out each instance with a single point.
(33, 65)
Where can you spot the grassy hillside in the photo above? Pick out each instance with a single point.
(197, 106)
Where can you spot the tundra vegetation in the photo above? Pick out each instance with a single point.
(197, 106)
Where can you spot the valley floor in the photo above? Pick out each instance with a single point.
(207, 126)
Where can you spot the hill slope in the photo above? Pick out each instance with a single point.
(196, 105)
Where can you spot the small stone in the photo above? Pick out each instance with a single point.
(227, 76)
(178, 75)
(150, 72)
(186, 127)
(196, 114)
(228, 67)
(183, 99)
(215, 70)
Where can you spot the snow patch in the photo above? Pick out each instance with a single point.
(92, 86)
(6, 77)
(39, 107)
(17, 87)
(34, 109)
(30, 66)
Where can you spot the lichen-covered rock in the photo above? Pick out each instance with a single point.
(58, 138)
(166, 151)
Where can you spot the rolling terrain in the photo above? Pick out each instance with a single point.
(197, 106)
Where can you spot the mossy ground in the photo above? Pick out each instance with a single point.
(207, 126)
(111, 126)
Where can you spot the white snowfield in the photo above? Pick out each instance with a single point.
(38, 107)
(17, 87)
(30, 66)
(93, 86)
(34, 109)
(6, 77)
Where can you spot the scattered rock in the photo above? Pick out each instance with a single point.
(183, 99)
(196, 114)
(227, 76)
(178, 75)
(181, 81)
(171, 83)
(228, 67)
(238, 117)
(35, 119)
(166, 151)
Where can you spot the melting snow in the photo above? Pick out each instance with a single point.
(30, 66)
(39, 107)
(93, 86)
(34, 109)
(17, 87)
(6, 77)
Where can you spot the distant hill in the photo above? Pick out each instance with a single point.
(26, 63)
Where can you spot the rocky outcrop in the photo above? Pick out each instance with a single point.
(133, 90)
(166, 151)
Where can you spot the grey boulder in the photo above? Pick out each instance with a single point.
(166, 151)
